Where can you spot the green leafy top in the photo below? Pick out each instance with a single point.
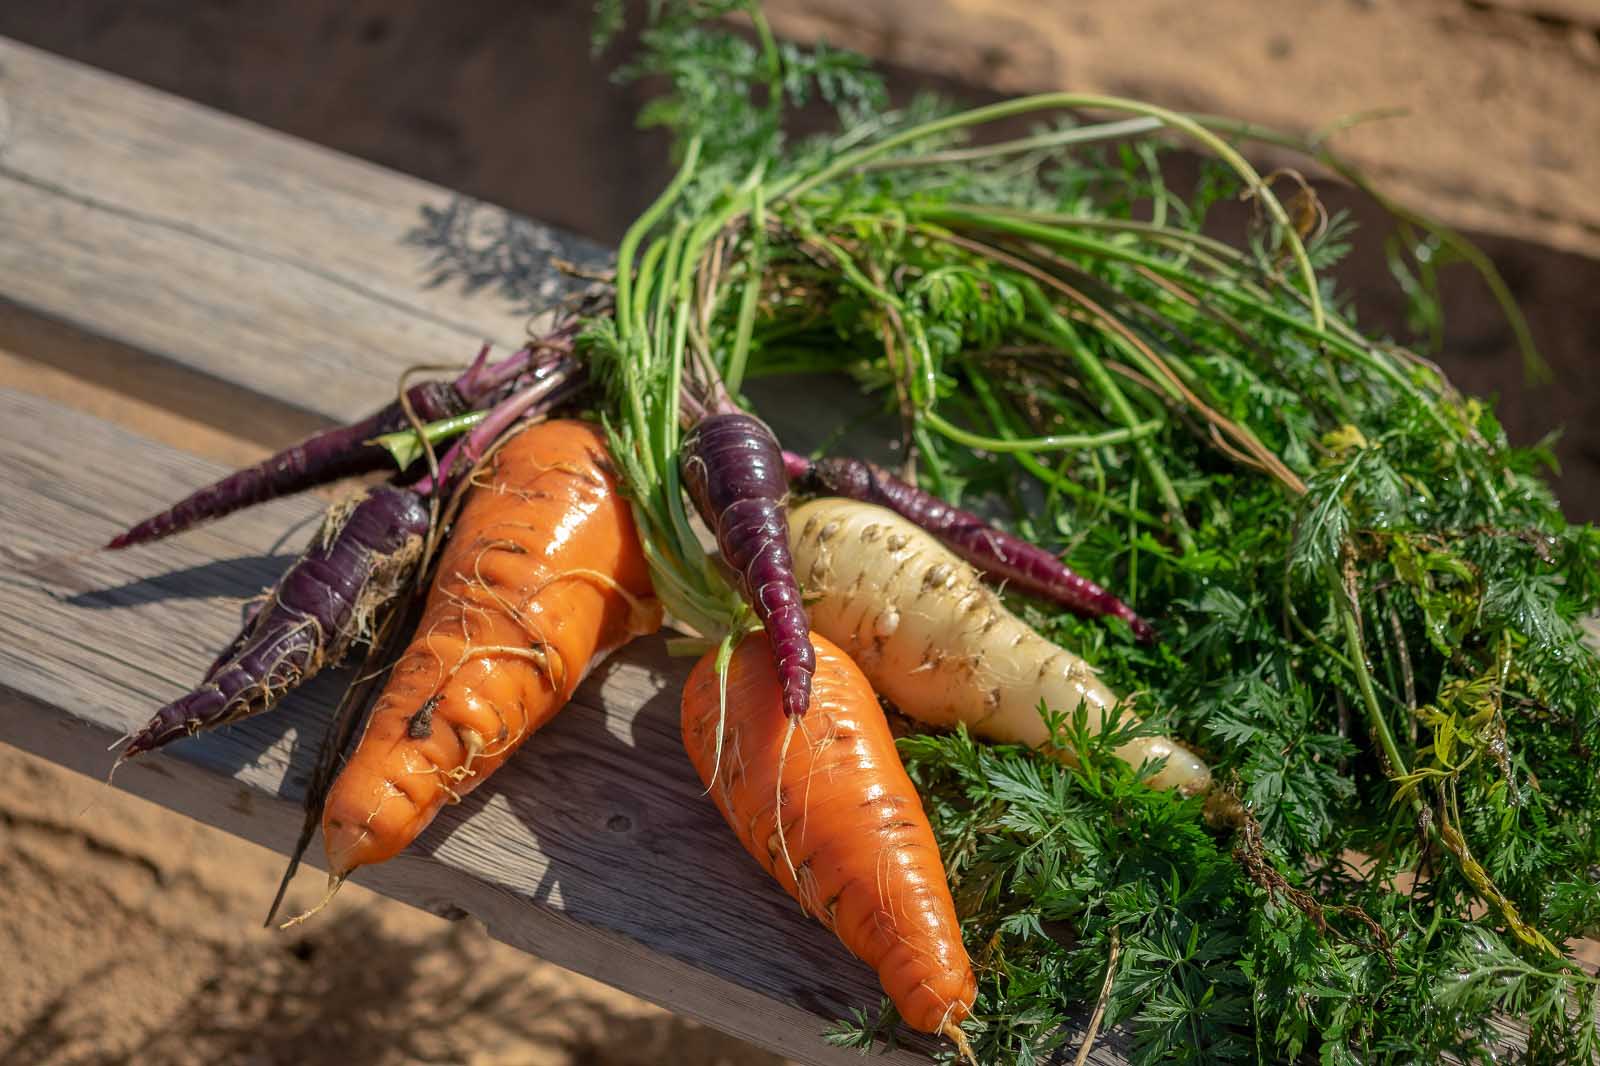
(1370, 601)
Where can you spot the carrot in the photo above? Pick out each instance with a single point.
(941, 645)
(328, 456)
(854, 847)
(542, 573)
(366, 551)
(351, 449)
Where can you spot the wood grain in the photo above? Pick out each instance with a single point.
(232, 250)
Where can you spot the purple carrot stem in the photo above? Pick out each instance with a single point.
(359, 561)
(994, 551)
(734, 472)
(553, 382)
(349, 450)
(328, 456)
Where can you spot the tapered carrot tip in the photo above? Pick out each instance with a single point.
(344, 843)
(335, 882)
(952, 1032)
(351, 842)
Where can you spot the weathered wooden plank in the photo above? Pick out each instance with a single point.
(593, 848)
(239, 252)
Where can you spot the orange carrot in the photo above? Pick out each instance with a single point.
(854, 848)
(542, 572)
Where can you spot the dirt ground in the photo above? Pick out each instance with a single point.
(131, 934)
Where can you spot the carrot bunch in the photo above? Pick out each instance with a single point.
(545, 544)
(547, 563)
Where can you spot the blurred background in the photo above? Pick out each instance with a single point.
(138, 926)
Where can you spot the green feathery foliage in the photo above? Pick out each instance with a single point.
(1370, 602)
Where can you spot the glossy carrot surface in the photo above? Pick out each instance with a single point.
(853, 845)
(542, 573)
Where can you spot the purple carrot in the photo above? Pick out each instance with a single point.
(328, 456)
(349, 450)
(993, 551)
(734, 472)
(358, 562)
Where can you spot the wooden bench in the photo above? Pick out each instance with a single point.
(157, 256)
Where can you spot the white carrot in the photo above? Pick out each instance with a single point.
(939, 644)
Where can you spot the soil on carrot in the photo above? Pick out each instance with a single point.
(143, 940)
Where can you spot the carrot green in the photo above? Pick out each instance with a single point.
(1371, 605)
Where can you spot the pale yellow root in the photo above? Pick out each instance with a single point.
(335, 882)
(939, 644)
(777, 802)
(952, 1032)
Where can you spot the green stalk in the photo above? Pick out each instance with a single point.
(1369, 696)
(643, 225)
(406, 445)
(666, 265)
(1062, 238)
(1050, 478)
(1092, 134)
(1055, 443)
(750, 298)
(1113, 395)
(798, 186)
(1534, 366)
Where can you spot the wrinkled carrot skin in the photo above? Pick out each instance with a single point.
(867, 863)
(317, 610)
(542, 572)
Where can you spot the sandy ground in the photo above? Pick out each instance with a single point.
(133, 935)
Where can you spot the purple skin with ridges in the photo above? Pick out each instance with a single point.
(359, 560)
(337, 453)
(733, 470)
(993, 551)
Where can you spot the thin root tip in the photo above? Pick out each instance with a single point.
(797, 699)
(952, 1032)
(335, 881)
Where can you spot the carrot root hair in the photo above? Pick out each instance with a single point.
(952, 1032)
(335, 882)
(724, 654)
(777, 801)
